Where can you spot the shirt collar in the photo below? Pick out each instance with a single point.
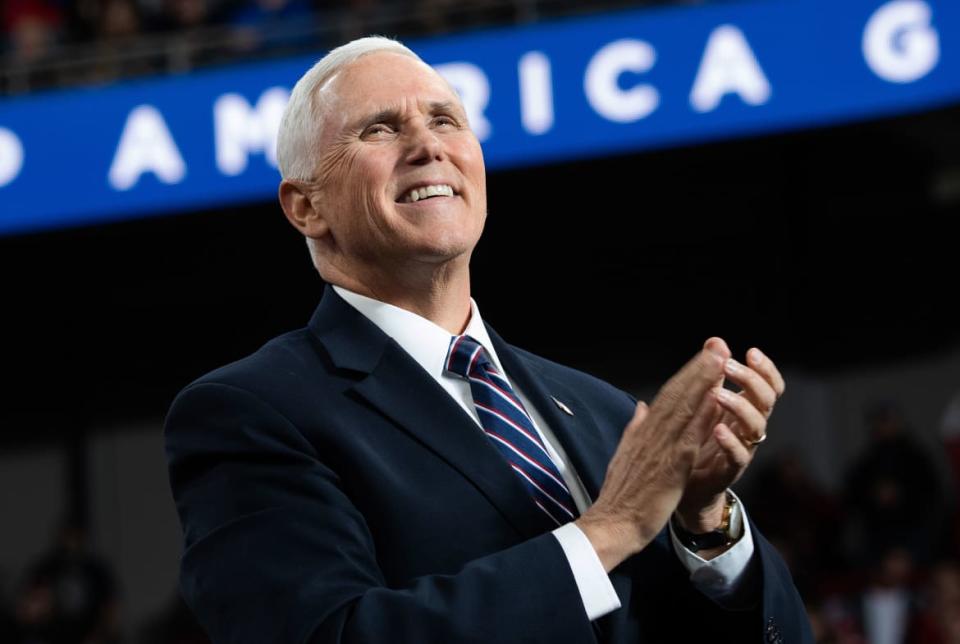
(426, 342)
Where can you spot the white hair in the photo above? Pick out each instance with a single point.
(299, 127)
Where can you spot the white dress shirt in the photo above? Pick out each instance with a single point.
(428, 344)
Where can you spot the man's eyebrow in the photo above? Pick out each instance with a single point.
(443, 106)
(389, 115)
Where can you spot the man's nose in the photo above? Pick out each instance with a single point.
(423, 145)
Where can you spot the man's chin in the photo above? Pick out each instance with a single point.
(440, 254)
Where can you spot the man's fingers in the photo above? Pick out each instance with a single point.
(752, 424)
(639, 415)
(681, 396)
(765, 367)
(698, 430)
(718, 346)
(755, 387)
(733, 448)
(641, 411)
(704, 369)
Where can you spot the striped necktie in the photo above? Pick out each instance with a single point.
(506, 423)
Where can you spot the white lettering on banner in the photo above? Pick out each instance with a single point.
(728, 66)
(471, 83)
(899, 43)
(602, 86)
(536, 92)
(240, 129)
(11, 156)
(145, 146)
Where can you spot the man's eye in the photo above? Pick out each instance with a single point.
(378, 129)
(445, 120)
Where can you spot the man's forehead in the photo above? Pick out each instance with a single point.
(387, 80)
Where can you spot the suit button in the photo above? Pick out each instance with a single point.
(773, 635)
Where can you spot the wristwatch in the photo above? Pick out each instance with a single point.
(730, 530)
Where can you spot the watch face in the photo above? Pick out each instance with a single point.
(735, 524)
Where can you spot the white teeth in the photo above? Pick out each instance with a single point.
(440, 190)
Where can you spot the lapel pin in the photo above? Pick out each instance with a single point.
(563, 407)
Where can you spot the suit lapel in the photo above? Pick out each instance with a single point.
(578, 433)
(394, 384)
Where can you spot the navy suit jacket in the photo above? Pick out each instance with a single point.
(330, 491)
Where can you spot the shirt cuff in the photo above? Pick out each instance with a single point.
(721, 576)
(596, 590)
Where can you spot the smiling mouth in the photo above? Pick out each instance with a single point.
(427, 192)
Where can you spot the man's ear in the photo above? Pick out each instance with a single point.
(300, 211)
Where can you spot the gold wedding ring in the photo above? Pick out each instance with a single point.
(756, 442)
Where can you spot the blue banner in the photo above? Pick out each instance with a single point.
(568, 89)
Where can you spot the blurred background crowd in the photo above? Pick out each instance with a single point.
(77, 42)
(877, 560)
(858, 487)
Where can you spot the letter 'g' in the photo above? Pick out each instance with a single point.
(11, 156)
(899, 43)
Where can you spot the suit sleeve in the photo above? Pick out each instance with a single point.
(276, 552)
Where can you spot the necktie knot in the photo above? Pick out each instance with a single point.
(465, 356)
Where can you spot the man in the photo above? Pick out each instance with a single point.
(396, 472)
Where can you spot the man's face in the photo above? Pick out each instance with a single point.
(391, 127)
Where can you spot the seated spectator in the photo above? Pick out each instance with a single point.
(32, 28)
(950, 432)
(189, 42)
(69, 596)
(889, 604)
(798, 517)
(119, 21)
(272, 25)
(441, 16)
(894, 495)
(939, 619)
(185, 15)
(881, 609)
(360, 17)
(118, 27)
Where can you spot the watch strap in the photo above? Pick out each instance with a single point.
(730, 530)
